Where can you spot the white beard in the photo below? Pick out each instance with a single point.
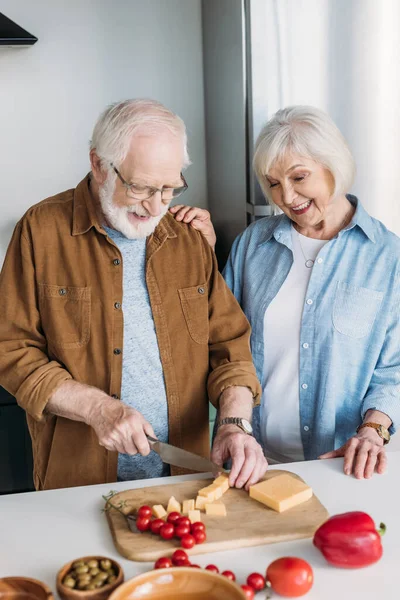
(117, 216)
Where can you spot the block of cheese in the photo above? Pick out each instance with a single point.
(208, 494)
(194, 516)
(200, 502)
(281, 492)
(159, 511)
(186, 506)
(173, 505)
(216, 509)
(223, 482)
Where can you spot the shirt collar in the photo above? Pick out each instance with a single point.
(361, 218)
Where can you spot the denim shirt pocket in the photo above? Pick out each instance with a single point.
(355, 309)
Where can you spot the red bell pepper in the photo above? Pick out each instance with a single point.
(350, 540)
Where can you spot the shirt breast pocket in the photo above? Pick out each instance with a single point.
(194, 302)
(355, 309)
(65, 315)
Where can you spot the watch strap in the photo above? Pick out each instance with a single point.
(378, 428)
(232, 421)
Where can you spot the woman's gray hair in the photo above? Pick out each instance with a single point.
(115, 127)
(308, 132)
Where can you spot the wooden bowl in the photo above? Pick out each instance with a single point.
(101, 593)
(24, 588)
(179, 583)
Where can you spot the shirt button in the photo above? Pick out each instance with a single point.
(309, 301)
(116, 262)
(306, 428)
(304, 386)
(117, 350)
(117, 305)
(62, 292)
(200, 290)
(305, 345)
(320, 260)
(115, 396)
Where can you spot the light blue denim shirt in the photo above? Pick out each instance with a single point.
(350, 362)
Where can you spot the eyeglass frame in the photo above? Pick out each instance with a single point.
(154, 190)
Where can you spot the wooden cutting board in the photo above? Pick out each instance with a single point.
(248, 523)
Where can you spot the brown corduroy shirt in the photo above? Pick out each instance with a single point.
(61, 317)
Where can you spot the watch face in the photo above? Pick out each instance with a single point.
(384, 433)
(246, 426)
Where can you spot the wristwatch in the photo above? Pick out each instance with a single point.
(242, 423)
(380, 430)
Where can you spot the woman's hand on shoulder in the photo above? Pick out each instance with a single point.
(199, 218)
(364, 454)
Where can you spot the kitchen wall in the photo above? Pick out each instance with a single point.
(90, 54)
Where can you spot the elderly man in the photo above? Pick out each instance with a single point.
(115, 323)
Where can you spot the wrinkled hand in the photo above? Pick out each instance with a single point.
(363, 454)
(248, 461)
(121, 428)
(199, 218)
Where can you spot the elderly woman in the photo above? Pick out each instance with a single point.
(320, 285)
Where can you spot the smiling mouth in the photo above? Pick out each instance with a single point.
(300, 208)
(135, 217)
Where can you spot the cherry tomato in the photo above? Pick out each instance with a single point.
(197, 525)
(256, 581)
(229, 575)
(183, 521)
(187, 541)
(163, 563)
(167, 531)
(156, 525)
(173, 517)
(290, 576)
(180, 558)
(143, 523)
(196, 566)
(144, 511)
(199, 536)
(248, 592)
(181, 530)
(212, 568)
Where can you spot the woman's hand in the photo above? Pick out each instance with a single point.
(199, 218)
(363, 454)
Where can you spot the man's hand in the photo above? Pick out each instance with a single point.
(248, 461)
(363, 454)
(120, 428)
(199, 218)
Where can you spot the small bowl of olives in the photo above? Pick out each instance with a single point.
(89, 578)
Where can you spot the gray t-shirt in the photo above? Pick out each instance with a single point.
(143, 386)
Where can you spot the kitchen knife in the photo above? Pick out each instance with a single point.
(182, 458)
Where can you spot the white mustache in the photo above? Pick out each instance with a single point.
(141, 212)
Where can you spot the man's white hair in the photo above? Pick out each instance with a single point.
(308, 132)
(112, 134)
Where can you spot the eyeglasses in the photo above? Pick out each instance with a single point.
(140, 192)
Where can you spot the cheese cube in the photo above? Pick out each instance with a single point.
(208, 495)
(194, 516)
(201, 502)
(159, 511)
(186, 506)
(216, 509)
(173, 505)
(222, 482)
(281, 492)
(206, 490)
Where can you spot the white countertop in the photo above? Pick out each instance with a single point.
(41, 531)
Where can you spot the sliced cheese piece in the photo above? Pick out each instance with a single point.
(206, 490)
(208, 495)
(186, 506)
(216, 509)
(194, 516)
(173, 505)
(159, 511)
(222, 482)
(281, 492)
(200, 502)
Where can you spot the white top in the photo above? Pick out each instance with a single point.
(280, 411)
(41, 531)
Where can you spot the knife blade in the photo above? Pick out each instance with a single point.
(182, 458)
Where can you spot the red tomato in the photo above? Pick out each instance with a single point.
(173, 517)
(290, 576)
(180, 558)
(248, 592)
(181, 530)
(197, 525)
(256, 581)
(167, 531)
(183, 521)
(229, 575)
(144, 511)
(187, 541)
(163, 563)
(212, 568)
(143, 523)
(156, 525)
(199, 536)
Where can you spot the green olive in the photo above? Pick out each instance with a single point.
(81, 569)
(98, 583)
(85, 577)
(105, 564)
(90, 586)
(92, 563)
(110, 572)
(69, 581)
(111, 579)
(102, 576)
(81, 585)
(94, 571)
